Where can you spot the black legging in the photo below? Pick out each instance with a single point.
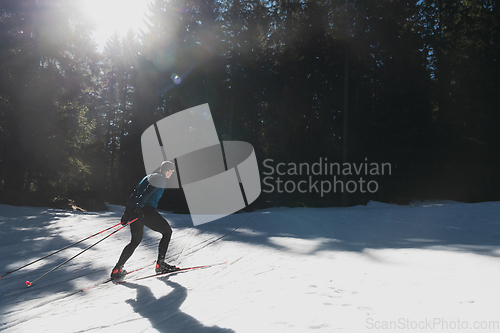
(153, 220)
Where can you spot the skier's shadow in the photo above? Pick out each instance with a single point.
(164, 313)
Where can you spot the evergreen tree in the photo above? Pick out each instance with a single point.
(47, 75)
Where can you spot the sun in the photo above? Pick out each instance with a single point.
(110, 16)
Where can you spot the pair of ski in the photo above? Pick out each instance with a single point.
(123, 279)
(180, 270)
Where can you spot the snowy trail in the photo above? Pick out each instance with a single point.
(365, 268)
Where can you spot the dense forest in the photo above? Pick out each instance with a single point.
(410, 83)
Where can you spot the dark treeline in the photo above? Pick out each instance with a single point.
(421, 92)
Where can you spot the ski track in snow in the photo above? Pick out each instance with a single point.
(426, 267)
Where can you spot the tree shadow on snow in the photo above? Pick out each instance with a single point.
(29, 233)
(473, 228)
(164, 313)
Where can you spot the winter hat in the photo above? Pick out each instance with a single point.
(167, 165)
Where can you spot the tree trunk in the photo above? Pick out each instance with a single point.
(346, 124)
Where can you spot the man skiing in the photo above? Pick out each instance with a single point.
(142, 205)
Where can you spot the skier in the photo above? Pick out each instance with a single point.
(142, 205)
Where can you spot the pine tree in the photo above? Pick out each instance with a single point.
(47, 76)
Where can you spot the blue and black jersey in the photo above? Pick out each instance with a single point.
(146, 194)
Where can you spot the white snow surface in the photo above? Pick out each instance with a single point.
(426, 267)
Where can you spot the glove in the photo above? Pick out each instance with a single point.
(125, 217)
(132, 214)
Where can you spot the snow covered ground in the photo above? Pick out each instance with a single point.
(429, 267)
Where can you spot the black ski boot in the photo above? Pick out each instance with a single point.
(163, 267)
(118, 272)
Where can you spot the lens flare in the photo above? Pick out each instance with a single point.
(176, 78)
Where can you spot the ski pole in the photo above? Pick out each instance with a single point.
(64, 248)
(28, 283)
